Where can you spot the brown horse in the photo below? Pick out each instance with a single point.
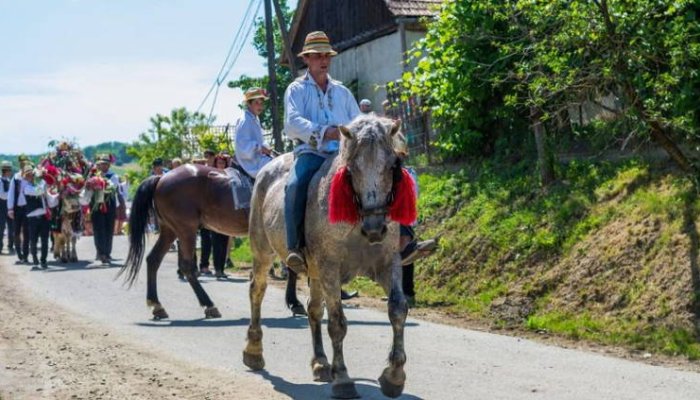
(185, 199)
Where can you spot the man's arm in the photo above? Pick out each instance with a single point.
(246, 145)
(120, 199)
(295, 125)
(11, 197)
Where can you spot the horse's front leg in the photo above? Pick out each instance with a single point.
(253, 352)
(393, 377)
(319, 363)
(343, 387)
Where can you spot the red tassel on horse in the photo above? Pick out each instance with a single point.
(341, 202)
(403, 208)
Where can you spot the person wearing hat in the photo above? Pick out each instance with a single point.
(16, 210)
(157, 167)
(38, 215)
(365, 106)
(103, 222)
(251, 151)
(5, 221)
(209, 156)
(314, 106)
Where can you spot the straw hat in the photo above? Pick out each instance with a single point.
(6, 165)
(103, 159)
(27, 169)
(254, 93)
(317, 42)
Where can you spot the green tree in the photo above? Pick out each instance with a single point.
(284, 75)
(495, 66)
(180, 134)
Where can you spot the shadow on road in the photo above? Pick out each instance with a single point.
(287, 323)
(319, 391)
(284, 323)
(57, 266)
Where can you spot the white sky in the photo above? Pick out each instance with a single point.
(97, 70)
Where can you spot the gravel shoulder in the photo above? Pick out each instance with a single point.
(47, 352)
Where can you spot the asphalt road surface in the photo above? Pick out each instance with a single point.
(443, 362)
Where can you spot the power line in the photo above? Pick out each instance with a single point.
(234, 44)
(221, 79)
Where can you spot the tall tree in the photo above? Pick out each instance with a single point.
(284, 75)
(179, 134)
(491, 65)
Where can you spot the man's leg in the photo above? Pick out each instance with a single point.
(33, 227)
(109, 229)
(98, 224)
(4, 219)
(21, 233)
(205, 235)
(44, 229)
(304, 168)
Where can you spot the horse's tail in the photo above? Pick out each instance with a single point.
(141, 206)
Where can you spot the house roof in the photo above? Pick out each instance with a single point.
(412, 8)
(397, 8)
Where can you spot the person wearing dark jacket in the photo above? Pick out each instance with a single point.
(5, 220)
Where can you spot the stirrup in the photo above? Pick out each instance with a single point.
(418, 250)
(295, 261)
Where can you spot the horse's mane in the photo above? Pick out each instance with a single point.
(368, 130)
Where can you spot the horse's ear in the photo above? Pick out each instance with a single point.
(345, 131)
(395, 127)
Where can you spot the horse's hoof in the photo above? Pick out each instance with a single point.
(345, 390)
(159, 314)
(256, 362)
(297, 309)
(212, 312)
(388, 384)
(322, 373)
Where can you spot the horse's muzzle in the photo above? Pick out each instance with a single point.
(374, 228)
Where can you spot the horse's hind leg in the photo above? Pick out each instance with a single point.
(153, 260)
(343, 387)
(253, 353)
(319, 364)
(393, 377)
(186, 265)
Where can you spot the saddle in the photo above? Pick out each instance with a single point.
(241, 186)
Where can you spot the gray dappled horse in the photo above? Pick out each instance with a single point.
(335, 253)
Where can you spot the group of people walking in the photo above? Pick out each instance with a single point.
(31, 205)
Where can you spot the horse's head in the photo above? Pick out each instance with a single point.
(373, 168)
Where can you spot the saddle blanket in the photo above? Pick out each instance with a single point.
(241, 188)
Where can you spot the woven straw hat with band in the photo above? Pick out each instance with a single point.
(317, 42)
(254, 93)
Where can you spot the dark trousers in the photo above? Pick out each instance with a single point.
(103, 229)
(21, 233)
(205, 236)
(219, 248)
(39, 229)
(6, 221)
(407, 282)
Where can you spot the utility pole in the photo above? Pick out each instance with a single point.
(285, 38)
(276, 131)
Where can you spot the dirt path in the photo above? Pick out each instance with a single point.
(46, 352)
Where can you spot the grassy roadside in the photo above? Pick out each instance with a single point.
(608, 254)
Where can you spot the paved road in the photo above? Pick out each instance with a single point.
(443, 362)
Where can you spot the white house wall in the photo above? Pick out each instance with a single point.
(373, 64)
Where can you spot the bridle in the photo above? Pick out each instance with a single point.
(378, 210)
